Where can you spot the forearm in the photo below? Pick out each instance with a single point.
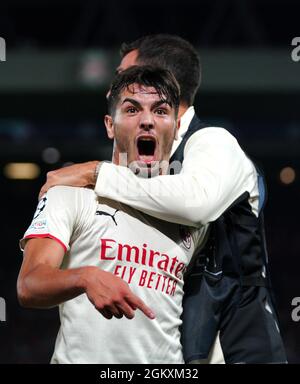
(46, 286)
(170, 198)
(189, 199)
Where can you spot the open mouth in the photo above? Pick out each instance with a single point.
(146, 146)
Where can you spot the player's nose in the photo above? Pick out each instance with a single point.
(146, 120)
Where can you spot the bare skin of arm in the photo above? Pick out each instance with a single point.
(77, 175)
(41, 284)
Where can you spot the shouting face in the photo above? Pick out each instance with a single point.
(143, 127)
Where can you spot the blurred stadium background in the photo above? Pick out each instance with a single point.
(60, 58)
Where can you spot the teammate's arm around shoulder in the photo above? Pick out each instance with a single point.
(42, 284)
(214, 174)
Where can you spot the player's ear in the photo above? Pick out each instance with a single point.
(108, 121)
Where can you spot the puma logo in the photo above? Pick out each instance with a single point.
(108, 214)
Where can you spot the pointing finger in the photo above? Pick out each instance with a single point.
(136, 302)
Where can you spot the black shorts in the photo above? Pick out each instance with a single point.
(244, 317)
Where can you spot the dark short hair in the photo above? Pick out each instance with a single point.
(173, 53)
(161, 79)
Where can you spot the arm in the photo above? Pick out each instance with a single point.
(77, 175)
(215, 173)
(41, 284)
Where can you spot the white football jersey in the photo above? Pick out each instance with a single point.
(149, 254)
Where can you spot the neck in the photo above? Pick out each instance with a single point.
(117, 158)
(182, 109)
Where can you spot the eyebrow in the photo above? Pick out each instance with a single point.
(160, 102)
(132, 101)
(138, 105)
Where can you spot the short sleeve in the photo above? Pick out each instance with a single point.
(54, 217)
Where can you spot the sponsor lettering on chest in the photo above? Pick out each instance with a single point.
(148, 268)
